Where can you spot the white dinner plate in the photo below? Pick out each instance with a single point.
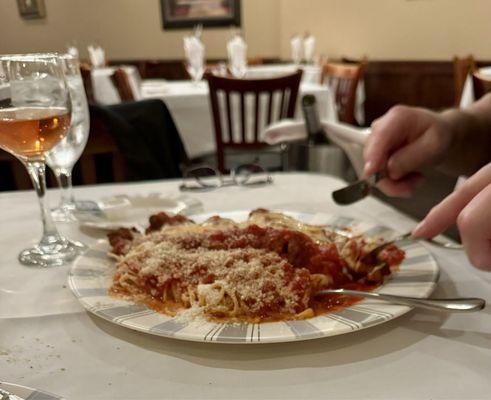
(91, 276)
(27, 393)
(128, 211)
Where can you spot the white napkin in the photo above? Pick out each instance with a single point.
(297, 49)
(351, 139)
(73, 51)
(237, 56)
(97, 56)
(194, 51)
(309, 48)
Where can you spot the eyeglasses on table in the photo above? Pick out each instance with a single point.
(205, 177)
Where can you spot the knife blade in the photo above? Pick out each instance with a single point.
(357, 190)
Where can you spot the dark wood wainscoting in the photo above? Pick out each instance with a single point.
(418, 83)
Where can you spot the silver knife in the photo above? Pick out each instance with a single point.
(357, 190)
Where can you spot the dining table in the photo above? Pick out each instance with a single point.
(48, 341)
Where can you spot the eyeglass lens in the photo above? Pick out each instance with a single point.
(250, 174)
(203, 177)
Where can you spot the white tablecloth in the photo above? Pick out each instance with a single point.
(48, 341)
(4, 91)
(311, 73)
(468, 92)
(190, 107)
(104, 89)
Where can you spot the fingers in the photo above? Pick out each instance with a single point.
(416, 154)
(474, 224)
(404, 140)
(441, 216)
(388, 133)
(403, 188)
(446, 212)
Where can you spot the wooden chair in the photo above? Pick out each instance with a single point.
(100, 142)
(462, 67)
(20, 177)
(343, 79)
(481, 83)
(226, 88)
(86, 72)
(255, 61)
(122, 84)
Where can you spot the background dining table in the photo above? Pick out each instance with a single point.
(48, 341)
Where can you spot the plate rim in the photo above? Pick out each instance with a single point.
(432, 282)
(13, 387)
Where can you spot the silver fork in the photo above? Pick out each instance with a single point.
(399, 238)
(470, 304)
(446, 245)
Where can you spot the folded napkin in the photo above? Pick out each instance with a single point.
(351, 139)
(194, 51)
(237, 56)
(73, 51)
(297, 49)
(309, 48)
(97, 56)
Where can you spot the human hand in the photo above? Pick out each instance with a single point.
(470, 207)
(402, 141)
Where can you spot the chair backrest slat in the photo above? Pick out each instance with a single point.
(248, 116)
(230, 138)
(270, 107)
(86, 73)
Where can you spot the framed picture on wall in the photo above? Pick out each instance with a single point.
(31, 9)
(182, 14)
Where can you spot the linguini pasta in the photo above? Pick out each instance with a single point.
(264, 269)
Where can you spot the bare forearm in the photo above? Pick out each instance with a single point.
(470, 148)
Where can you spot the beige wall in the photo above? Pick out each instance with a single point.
(391, 29)
(128, 29)
(380, 29)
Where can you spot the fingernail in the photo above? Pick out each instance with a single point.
(367, 169)
(419, 228)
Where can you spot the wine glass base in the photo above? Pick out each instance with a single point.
(78, 246)
(63, 214)
(49, 256)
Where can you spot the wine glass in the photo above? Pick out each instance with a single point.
(65, 154)
(33, 119)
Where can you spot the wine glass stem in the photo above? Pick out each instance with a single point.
(37, 172)
(64, 178)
